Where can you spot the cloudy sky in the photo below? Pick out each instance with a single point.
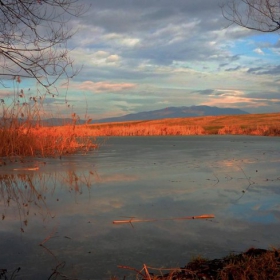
(142, 55)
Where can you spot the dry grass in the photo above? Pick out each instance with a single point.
(22, 134)
(254, 264)
(144, 130)
(36, 141)
(252, 124)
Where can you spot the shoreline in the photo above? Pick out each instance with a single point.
(255, 263)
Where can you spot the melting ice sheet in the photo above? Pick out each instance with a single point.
(57, 214)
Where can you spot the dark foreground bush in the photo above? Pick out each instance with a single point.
(254, 264)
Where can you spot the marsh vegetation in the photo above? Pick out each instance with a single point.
(253, 124)
(23, 133)
(256, 264)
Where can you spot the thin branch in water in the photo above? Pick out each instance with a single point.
(51, 235)
(133, 220)
(133, 269)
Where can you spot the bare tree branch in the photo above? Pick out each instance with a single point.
(260, 15)
(33, 39)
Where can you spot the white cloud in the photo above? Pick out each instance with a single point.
(100, 58)
(166, 50)
(104, 86)
(122, 40)
(258, 51)
(112, 58)
(101, 54)
(231, 92)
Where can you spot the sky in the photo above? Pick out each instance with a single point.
(143, 55)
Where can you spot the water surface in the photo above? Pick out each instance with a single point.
(68, 205)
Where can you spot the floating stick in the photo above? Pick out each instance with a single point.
(27, 168)
(133, 220)
(206, 216)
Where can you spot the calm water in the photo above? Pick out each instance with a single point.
(68, 205)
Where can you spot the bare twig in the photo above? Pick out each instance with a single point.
(51, 235)
(131, 268)
(133, 220)
(147, 272)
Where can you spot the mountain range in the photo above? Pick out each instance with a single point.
(174, 112)
(166, 113)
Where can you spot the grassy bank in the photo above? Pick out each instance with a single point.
(24, 138)
(21, 131)
(31, 141)
(252, 124)
(254, 264)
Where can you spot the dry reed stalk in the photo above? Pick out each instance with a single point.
(172, 272)
(131, 268)
(51, 235)
(260, 130)
(253, 264)
(18, 190)
(253, 124)
(22, 133)
(147, 272)
(133, 220)
(26, 191)
(144, 130)
(256, 264)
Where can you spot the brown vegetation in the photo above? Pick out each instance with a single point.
(19, 140)
(29, 138)
(22, 133)
(251, 124)
(254, 264)
(145, 129)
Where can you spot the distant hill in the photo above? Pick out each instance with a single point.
(175, 112)
(60, 121)
(166, 113)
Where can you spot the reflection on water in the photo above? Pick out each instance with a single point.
(56, 215)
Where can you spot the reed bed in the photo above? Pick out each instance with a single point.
(253, 124)
(36, 141)
(262, 130)
(144, 130)
(158, 130)
(22, 133)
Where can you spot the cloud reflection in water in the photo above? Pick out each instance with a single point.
(150, 178)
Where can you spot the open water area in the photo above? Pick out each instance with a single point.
(56, 215)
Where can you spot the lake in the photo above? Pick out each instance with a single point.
(57, 214)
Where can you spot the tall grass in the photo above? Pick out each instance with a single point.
(144, 130)
(22, 133)
(255, 124)
(263, 130)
